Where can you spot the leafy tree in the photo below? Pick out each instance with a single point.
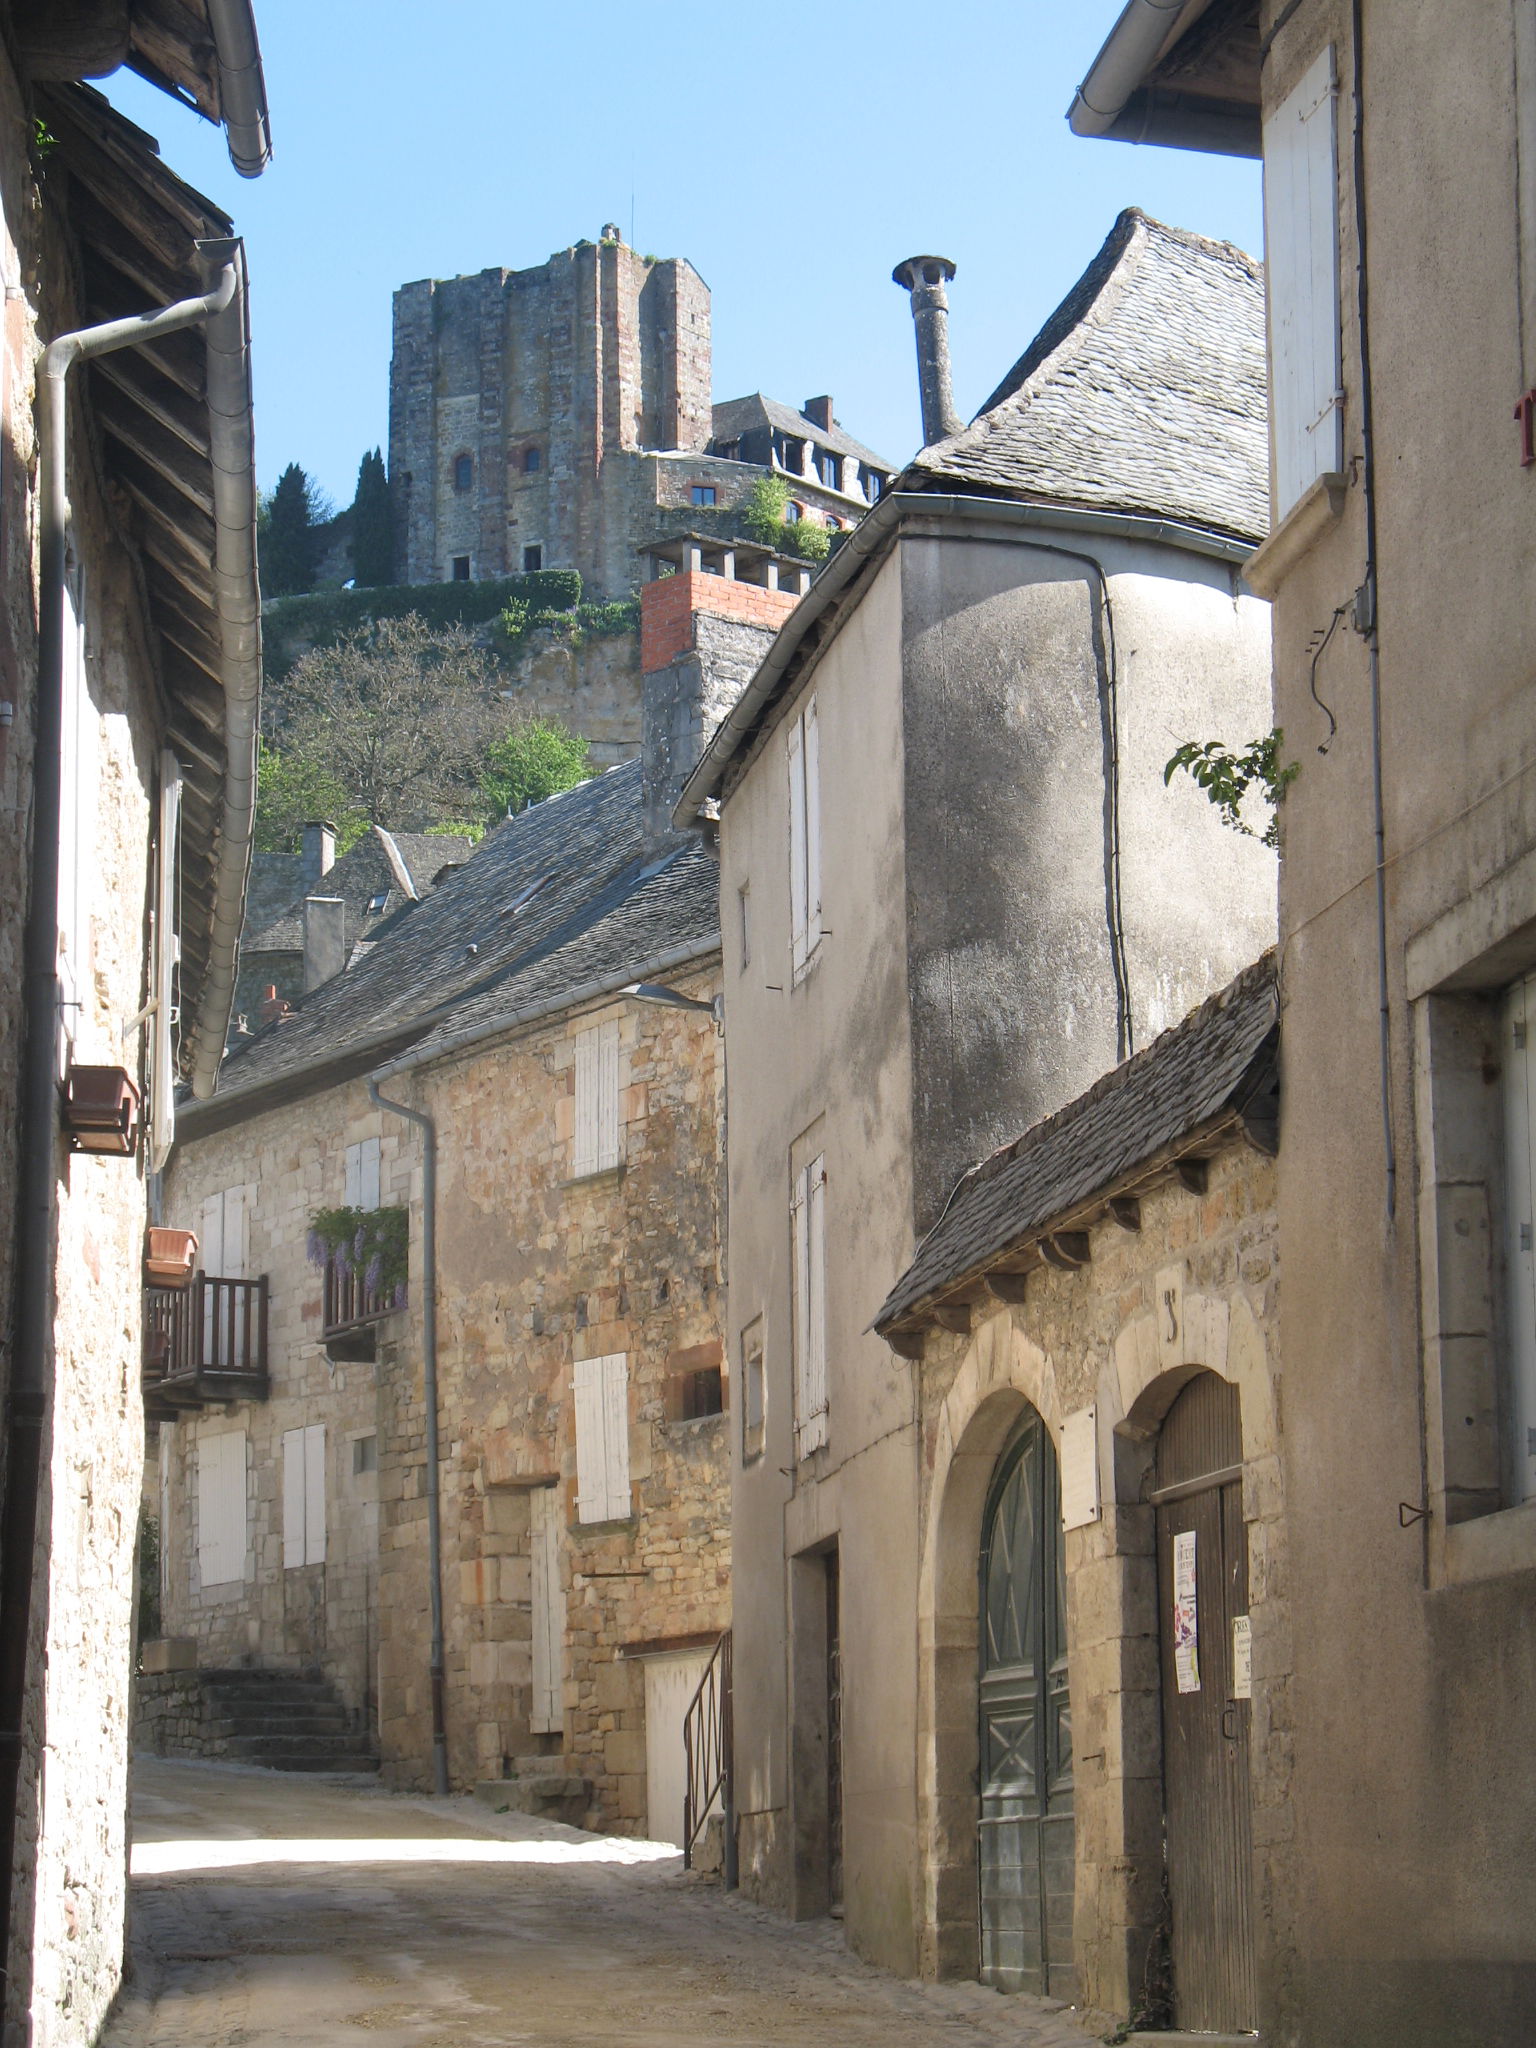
(533, 759)
(373, 524)
(293, 788)
(765, 519)
(400, 714)
(290, 544)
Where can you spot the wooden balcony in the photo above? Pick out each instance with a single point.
(352, 1307)
(204, 1342)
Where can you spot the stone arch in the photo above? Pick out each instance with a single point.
(1001, 1376)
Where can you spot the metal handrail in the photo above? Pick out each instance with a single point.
(708, 1743)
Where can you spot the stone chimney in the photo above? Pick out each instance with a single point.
(319, 852)
(925, 278)
(819, 411)
(325, 939)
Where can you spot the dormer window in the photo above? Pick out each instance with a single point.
(463, 473)
(702, 494)
(874, 484)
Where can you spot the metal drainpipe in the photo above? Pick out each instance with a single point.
(429, 1393)
(39, 1122)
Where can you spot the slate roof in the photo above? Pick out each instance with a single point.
(737, 416)
(566, 893)
(1145, 392)
(1218, 1062)
(379, 864)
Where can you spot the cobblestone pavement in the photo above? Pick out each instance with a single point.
(272, 1908)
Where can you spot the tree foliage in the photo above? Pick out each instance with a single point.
(373, 524)
(533, 759)
(1228, 779)
(292, 790)
(765, 519)
(287, 533)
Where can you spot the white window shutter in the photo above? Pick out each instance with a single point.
(608, 1149)
(584, 1157)
(799, 1221)
(797, 846)
(1301, 247)
(221, 1508)
(314, 1493)
(293, 1498)
(236, 1233)
(816, 1300)
(368, 1173)
(546, 1715)
(812, 830)
(616, 1435)
(210, 1247)
(591, 1461)
(353, 1192)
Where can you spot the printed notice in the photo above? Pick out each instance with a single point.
(1186, 1613)
(1242, 1658)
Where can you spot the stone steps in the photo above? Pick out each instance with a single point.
(548, 1787)
(282, 1720)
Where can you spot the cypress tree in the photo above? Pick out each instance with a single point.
(373, 524)
(289, 543)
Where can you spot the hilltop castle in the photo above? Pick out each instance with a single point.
(561, 418)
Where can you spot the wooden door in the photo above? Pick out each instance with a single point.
(1025, 1837)
(1202, 1544)
(670, 1684)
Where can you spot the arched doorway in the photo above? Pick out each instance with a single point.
(1202, 1571)
(1025, 1828)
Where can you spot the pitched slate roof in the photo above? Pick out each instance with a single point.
(400, 866)
(737, 416)
(1216, 1064)
(564, 894)
(1144, 392)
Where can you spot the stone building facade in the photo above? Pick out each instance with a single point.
(560, 417)
(105, 731)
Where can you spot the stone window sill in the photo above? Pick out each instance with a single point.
(604, 1175)
(1491, 1547)
(1315, 512)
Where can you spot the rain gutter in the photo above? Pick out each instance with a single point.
(865, 546)
(242, 87)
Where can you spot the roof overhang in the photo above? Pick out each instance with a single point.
(1180, 73)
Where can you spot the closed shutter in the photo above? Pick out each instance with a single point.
(812, 830)
(1301, 241)
(602, 1438)
(236, 1233)
(597, 1099)
(362, 1174)
(608, 1094)
(221, 1508)
(304, 1496)
(808, 1231)
(546, 1714)
(584, 1154)
(797, 849)
(210, 1245)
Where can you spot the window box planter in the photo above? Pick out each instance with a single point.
(169, 1257)
(101, 1111)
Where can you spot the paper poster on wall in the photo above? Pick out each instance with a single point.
(1242, 1658)
(1186, 1613)
(1080, 1468)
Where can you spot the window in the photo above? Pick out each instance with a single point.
(602, 1439)
(808, 1242)
(874, 484)
(365, 1455)
(1302, 256)
(829, 468)
(793, 512)
(461, 568)
(698, 1394)
(221, 1508)
(533, 462)
(363, 1174)
(597, 1146)
(463, 473)
(304, 1496)
(533, 559)
(744, 923)
(548, 1611)
(728, 451)
(834, 525)
(701, 494)
(804, 838)
(753, 1392)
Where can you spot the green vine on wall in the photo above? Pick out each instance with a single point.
(375, 1243)
(1228, 779)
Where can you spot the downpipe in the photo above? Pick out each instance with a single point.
(428, 1129)
(37, 1167)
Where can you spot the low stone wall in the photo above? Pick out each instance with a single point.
(171, 1716)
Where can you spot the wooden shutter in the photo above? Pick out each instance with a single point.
(546, 1715)
(602, 1439)
(236, 1233)
(210, 1245)
(616, 1434)
(812, 830)
(797, 846)
(816, 1301)
(584, 1155)
(314, 1493)
(368, 1173)
(293, 1498)
(221, 1508)
(608, 1093)
(1301, 242)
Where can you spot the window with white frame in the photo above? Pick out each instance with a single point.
(596, 1146)
(304, 1496)
(362, 1174)
(1301, 247)
(221, 1490)
(602, 1438)
(808, 1229)
(804, 837)
(546, 1716)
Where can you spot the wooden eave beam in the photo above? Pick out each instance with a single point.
(173, 40)
(182, 465)
(191, 526)
(145, 386)
(910, 1343)
(116, 152)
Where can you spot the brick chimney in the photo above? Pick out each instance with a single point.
(819, 412)
(925, 278)
(319, 852)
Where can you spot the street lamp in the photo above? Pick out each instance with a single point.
(674, 999)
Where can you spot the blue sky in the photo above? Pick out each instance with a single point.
(793, 155)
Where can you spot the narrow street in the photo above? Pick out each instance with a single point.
(272, 1908)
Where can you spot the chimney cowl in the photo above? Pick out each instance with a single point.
(925, 278)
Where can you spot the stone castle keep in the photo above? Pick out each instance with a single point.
(560, 418)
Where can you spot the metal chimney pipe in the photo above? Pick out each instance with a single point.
(925, 278)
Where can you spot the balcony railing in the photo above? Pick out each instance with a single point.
(708, 1742)
(352, 1299)
(205, 1342)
